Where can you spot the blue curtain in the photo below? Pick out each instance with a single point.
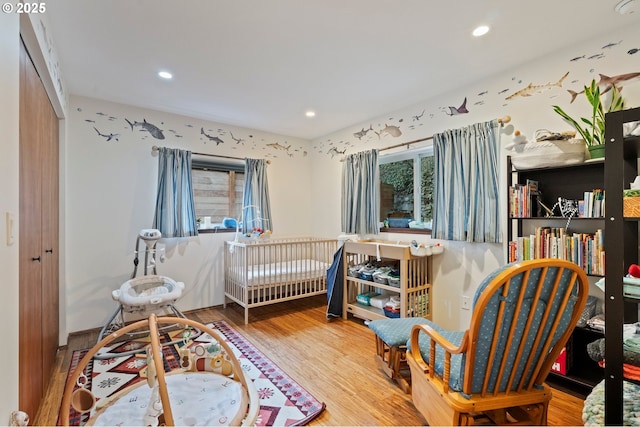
(175, 211)
(465, 184)
(360, 193)
(256, 207)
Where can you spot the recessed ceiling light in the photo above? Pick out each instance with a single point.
(625, 6)
(165, 75)
(310, 113)
(481, 31)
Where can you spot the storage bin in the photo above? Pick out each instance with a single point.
(379, 301)
(365, 298)
(366, 274)
(391, 313)
(380, 277)
(393, 281)
(354, 270)
(631, 287)
(398, 222)
(563, 362)
(546, 154)
(631, 207)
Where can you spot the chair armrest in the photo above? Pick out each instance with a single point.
(436, 338)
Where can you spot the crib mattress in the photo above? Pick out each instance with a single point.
(296, 270)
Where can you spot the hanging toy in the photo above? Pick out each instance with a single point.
(518, 143)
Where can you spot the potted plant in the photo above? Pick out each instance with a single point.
(592, 128)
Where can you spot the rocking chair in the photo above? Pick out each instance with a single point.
(494, 372)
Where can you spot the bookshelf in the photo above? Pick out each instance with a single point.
(559, 212)
(621, 168)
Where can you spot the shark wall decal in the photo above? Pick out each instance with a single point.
(145, 125)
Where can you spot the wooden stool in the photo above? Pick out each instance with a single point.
(391, 337)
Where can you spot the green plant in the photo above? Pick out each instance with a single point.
(592, 130)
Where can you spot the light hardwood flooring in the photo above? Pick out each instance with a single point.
(333, 360)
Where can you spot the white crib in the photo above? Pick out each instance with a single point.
(269, 271)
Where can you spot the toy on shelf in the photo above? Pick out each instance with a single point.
(634, 271)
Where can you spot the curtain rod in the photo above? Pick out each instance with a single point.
(156, 148)
(502, 121)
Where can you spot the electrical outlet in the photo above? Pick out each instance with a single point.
(465, 303)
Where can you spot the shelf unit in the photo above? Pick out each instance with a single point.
(621, 245)
(584, 373)
(569, 182)
(415, 279)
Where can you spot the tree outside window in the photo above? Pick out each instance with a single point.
(406, 186)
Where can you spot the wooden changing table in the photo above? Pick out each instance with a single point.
(415, 279)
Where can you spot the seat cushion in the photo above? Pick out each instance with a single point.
(396, 332)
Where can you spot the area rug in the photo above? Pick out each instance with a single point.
(283, 402)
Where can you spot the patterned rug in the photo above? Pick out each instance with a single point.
(283, 402)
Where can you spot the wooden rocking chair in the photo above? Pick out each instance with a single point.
(494, 372)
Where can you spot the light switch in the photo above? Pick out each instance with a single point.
(9, 227)
(465, 303)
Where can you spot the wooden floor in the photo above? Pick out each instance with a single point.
(333, 360)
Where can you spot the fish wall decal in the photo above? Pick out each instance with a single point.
(145, 125)
(237, 140)
(363, 132)
(392, 130)
(335, 152)
(217, 140)
(532, 89)
(278, 146)
(453, 111)
(108, 136)
(606, 83)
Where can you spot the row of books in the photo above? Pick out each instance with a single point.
(592, 206)
(524, 203)
(522, 199)
(586, 250)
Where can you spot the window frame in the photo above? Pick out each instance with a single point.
(412, 154)
(214, 165)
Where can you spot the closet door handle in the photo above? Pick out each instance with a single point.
(35, 259)
(49, 251)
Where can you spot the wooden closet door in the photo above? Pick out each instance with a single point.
(49, 239)
(38, 254)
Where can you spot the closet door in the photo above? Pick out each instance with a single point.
(49, 238)
(38, 219)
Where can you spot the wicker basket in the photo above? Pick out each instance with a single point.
(631, 207)
(546, 154)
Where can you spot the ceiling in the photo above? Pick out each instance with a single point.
(261, 64)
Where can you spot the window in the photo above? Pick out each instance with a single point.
(217, 192)
(406, 188)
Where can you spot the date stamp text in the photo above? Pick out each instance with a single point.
(24, 8)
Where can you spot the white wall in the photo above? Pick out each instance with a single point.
(9, 202)
(110, 196)
(462, 266)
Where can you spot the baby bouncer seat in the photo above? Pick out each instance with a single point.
(185, 395)
(141, 295)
